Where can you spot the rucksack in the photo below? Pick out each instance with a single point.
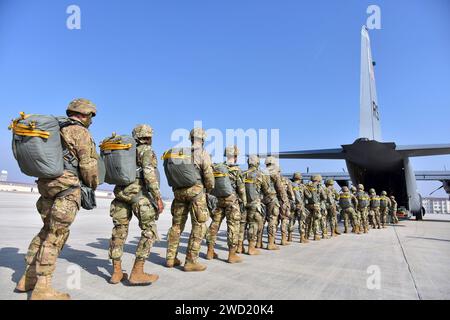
(222, 187)
(180, 169)
(345, 200)
(37, 145)
(118, 153)
(250, 185)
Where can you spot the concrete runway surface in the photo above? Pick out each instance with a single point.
(408, 261)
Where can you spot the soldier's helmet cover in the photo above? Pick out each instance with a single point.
(142, 131)
(270, 160)
(231, 151)
(82, 106)
(316, 178)
(253, 160)
(329, 182)
(360, 187)
(353, 188)
(297, 176)
(197, 133)
(383, 193)
(344, 189)
(371, 190)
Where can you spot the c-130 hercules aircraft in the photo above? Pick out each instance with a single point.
(377, 164)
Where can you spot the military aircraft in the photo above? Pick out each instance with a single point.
(372, 162)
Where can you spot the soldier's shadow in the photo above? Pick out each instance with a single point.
(11, 258)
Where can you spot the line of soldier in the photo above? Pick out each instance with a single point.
(258, 197)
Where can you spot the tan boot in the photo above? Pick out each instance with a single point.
(118, 275)
(192, 265)
(316, 237)
(28, 280)
(324, 235)
(259, 244)
(252, 251)
(43, 290)
(138, 277)
(284, 241)
(211, 254)
(358, 231)
(240, 246)
(233, 257)
(336, 232)
(290, 237)
(303, 239)
(271, 245)
(170, 263)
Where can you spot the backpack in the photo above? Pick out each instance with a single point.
(37, 145)
(222, 187)
(363, 199)
(118, 153)
(345, 201)
(180, 169)
(250, 185)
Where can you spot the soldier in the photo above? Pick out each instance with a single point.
(393, 210)
(323, 211)
(332, 197)
(229, 207)
(353, 191)
(60, 201)
(313, 195)
(286, 217)
(256, 186)
(348, 203)
(385, 204)
(363, 204)
(299, 209)
(276, 201)
(191, 199)
(143, 199)
(375, 209)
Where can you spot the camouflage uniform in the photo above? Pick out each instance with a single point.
(139, 198)
(299, 209)
(59, 203)
(289, 212)
(363, 204)
(385, 204)
(313, 196)
(323, 211)
(332, 197)
(192, 200)
(348, 203)
(228, 207)
(393, 210)
(374, 209)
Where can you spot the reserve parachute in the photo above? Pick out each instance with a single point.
(180, 169)
(223, 187)
(118, 154)
(345, 201)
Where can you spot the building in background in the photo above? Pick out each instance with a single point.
(4, 175)
(436, 205)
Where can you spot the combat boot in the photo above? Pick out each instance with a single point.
(357, 230)
(316, 237)
(271, 245)
(138, 277)
(303, 239)
(345, 229)
(240, 247)
(211, 254)
(290, 237)
(252, 251)
(43, 290)
(192, 265)
(233, 257)
(259, 243)
(284, 241)
(170, 263)
(118, 274)
(336, 231)
(28, 280)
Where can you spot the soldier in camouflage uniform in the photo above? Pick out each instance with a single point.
(143, 199)
(286, 218)
(332, 197)
(276, 201)
(313, 196)
(60, 201)
(348, 203)
(393, 210)
(363, 204)
(385, 204)
(256, 186)
(229, 207)
(323, 211)
(353, 192)
(375, 209)
(193, 200)
(299, 214)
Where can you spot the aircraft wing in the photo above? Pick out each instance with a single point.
(337, 153)
(424, 150)
(432, 175)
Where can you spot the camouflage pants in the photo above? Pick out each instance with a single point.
(323, 221)
(364, 219)
(314, 219)
(349, 214)
(255, 221)
(393, 217)
(384, 212)
(121, 214)
(285, 216)
(242, 224)
(299, 216)
(57, 214)
(229, 209)
(332, 218)
(272, 213)
(375, 213)
(191, 200)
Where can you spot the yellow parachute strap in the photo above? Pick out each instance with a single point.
(219, 174)
(296, 188)
(27, 130)
(234, 168)
(249, 181)
(177, 155)
(115, 146)
(344, 196)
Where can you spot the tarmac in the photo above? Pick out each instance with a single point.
(408, 261)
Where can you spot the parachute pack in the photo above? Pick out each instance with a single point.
(118, 154)
(250, 185)
(180, 169)
(345, 201)
(222, 187)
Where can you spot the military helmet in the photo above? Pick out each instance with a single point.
(383, 193)
(231, 151)
(316, 178)
(392, 197)
(142, 131)
(297, 176)
(372, 190)
(253, 160)
(353, 188)
(329, 182)
(198, 133)
(344, 189)
(83, 106)
(270, 160)
(361, 187)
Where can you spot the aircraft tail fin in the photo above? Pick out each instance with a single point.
(369, 117)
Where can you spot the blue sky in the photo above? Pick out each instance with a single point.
(288, 65)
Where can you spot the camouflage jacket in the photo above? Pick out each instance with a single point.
(332, 196)
(299, 191)
(385, 200)
(277, 185)
(254, 176)
(393, 206)
(237, 181)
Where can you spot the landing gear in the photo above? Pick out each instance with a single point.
(420, 214)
